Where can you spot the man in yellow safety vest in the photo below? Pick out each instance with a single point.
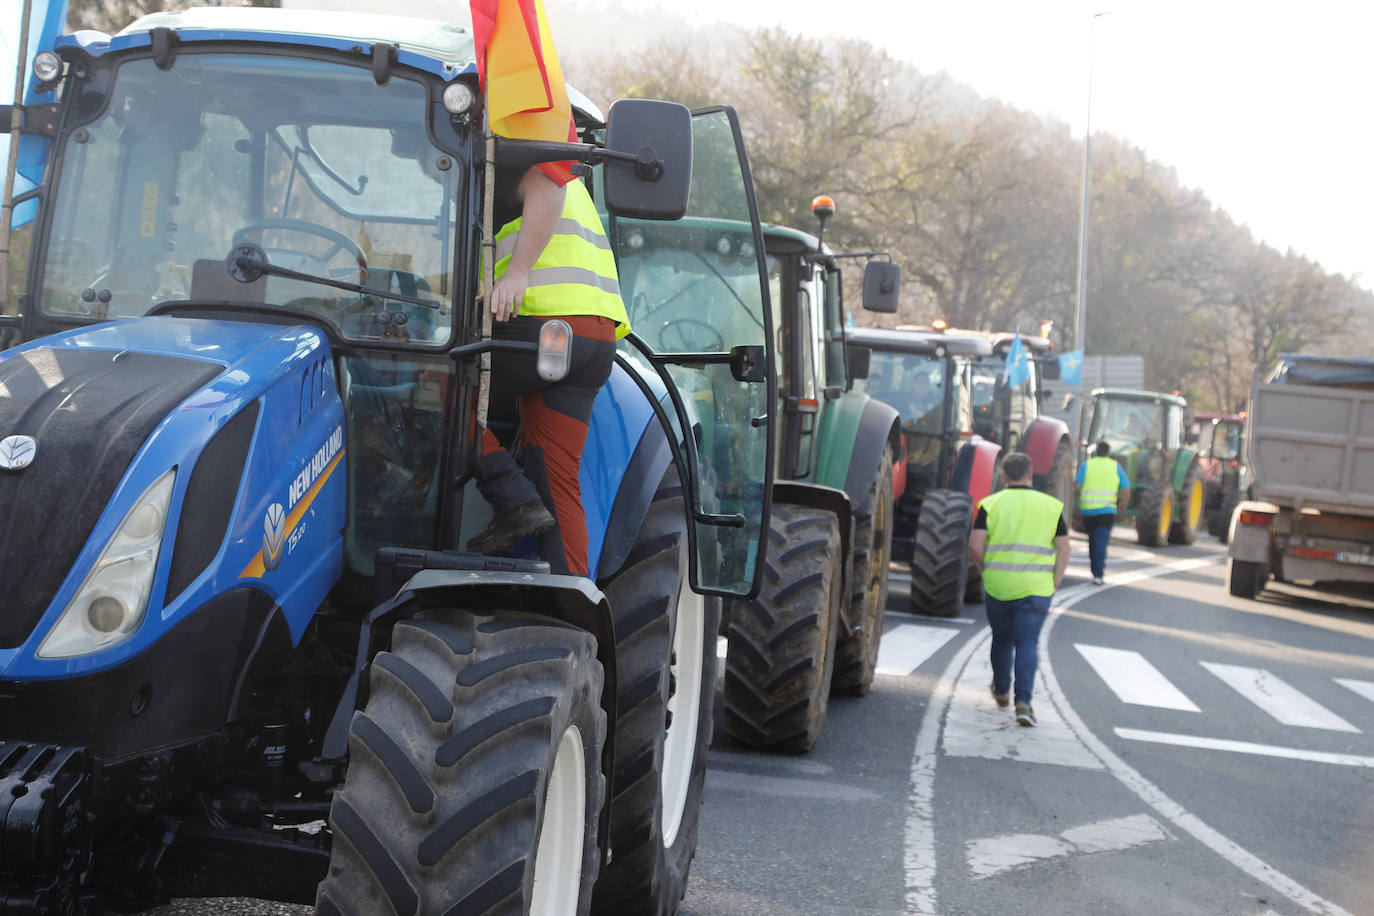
(1020, 541)
(1100, 479)
(553, 260)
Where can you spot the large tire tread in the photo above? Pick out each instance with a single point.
(1179, 531)
(856, 653)
(440, 809)
(940, 565)
(1147, 518)
(645, 877)
(781, 703)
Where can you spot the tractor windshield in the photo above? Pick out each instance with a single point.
(1128, 424)
(913, 384)
(1226, 439)
(306, 165)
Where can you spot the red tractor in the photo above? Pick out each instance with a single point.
(1220, 442)
(958, 415)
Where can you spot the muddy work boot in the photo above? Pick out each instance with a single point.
(510, 528)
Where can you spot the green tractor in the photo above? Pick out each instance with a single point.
(1145, 432)
(815, 626)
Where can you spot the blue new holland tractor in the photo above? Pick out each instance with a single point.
(241, 650)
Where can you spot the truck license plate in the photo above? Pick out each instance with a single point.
(1363, 559)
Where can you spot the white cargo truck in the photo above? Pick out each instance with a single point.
(1311, 439)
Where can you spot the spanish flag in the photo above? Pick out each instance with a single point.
(520, 75)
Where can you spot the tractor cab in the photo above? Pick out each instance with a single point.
(1220, 441)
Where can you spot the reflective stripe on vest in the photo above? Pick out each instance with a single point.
(575, 273)
(1019, 558)
(1101, 480)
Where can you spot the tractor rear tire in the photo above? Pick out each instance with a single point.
(1060, 482)
(940, 561)
(1247, 578)
(781, 653)
(666, 669)
(974, 593)
(1154, 518)
(856, 655)
(1192, 508)
(474, 781)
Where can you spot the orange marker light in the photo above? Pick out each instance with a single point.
(939, 324)
(823, 206)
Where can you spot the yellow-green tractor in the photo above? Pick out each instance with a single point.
(1145, 432)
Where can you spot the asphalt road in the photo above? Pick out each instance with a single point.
(1196, 753)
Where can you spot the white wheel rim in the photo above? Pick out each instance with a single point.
(680, 743)
(558, 852)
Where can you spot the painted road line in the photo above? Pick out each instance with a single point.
(907, 615)
(977, 727)
(998, 854)
(906, 647)
(1133, 679)
(1244, 747)
(1363, 688)
(1285, 703)
(718, 780)
(1148, 792)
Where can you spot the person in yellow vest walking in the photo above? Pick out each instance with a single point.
(553, 260)
(1020, 541)
(1100, 480)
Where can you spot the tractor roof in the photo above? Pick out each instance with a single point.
(1123, 394)
(923, 342)
(427, 44)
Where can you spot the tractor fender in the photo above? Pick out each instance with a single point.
(1040, 441)
(880, 429)
(571, 599)
(1183, 460)
(815, 496)
(637, 488)
(975, 467)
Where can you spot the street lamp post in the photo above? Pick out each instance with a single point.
(1081, 324)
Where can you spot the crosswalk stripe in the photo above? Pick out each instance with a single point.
(1280, 700)
(1363, 688)
(1133, 679)
(1244, 747)
(906, 646)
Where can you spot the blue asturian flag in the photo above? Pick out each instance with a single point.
(1018, 363)
(1071, 367)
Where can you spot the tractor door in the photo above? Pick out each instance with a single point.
(802, 351)
(696, 290)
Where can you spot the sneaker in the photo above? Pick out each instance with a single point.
(1097, 580)
(1003, 699)
(1024, 714)
(510, 528)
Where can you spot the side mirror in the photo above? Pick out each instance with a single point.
(658, 184)
(749, 363)
(6, 115)
(858, 360)
(882, 282)
(1049, 368)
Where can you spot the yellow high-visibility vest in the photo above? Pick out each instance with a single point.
(1101, 480)
(1019, 559)
(575, 273)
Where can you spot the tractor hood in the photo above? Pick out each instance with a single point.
(92, 418)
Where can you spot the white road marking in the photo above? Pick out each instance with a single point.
(1279, 699)
(907, 615)
(718, 780)
(1147, 791)
(1133, 679)
(1363, 688)
(1245, 747)
(976, 727)
(906, 647)
(990, 856)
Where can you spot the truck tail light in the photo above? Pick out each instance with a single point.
(1251, 517)
(1312, 552)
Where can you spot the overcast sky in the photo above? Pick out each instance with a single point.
(1264, 106)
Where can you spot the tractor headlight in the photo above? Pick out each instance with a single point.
(111, 603)
(47, 66)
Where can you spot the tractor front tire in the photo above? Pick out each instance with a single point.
(1192, 508)
(1060, 481)
(782, 644)
(940, 561)
(1247, 578)
(1154, 518)
(666, 668)
(856, 655)
(474, 781)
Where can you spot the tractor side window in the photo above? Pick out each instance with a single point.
(1173, 428)
(836, 371)
(395, 409)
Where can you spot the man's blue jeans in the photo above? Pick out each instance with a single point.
(1015, 632)
(1099, 536)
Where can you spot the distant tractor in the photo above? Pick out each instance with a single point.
(1145, 432)
(1220, 442)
